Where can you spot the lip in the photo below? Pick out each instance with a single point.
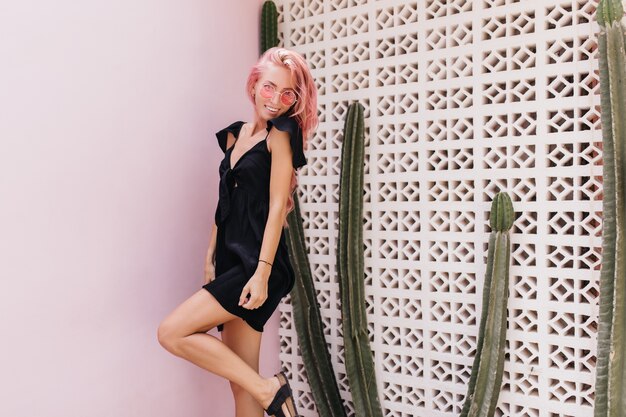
(271, 111)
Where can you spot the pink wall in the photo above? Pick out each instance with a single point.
(108, 186)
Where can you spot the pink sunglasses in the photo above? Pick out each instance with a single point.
(287, 97)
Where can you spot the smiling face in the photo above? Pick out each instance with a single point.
(280, 79)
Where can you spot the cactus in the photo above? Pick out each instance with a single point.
(486, 378)
(306, 310)
(357, 353)
(308, 321)
(269, 26)
(610, 398)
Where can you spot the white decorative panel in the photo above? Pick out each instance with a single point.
(463, 99)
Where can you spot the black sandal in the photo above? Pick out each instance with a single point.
(283, 396)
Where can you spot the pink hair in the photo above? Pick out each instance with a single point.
(304, 110)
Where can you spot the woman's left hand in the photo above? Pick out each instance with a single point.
(257, 288)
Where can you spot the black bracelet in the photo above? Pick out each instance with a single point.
(261, 260)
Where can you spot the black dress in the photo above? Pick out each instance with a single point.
(241, 214)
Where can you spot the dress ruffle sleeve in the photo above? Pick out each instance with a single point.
(291, 126)
(222, 135)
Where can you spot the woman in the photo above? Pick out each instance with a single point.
(247, 270)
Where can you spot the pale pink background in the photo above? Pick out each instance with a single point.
(108, 186)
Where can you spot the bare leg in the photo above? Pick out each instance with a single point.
(183, 333)
(246, 343)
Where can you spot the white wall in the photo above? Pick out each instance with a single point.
(462, 99)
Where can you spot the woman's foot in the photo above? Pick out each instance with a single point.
(273, 385)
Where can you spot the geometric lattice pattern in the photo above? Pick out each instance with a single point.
(462, 99)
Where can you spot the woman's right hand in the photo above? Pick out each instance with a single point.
(209, 268)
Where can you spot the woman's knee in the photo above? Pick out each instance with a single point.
(188, 318)
(167, 335)
(169, 330)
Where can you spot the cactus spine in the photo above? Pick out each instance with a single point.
(486, 379)
(350, 269)
(306, 313)
(269, 26)
(610, 399)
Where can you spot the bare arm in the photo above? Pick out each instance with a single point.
(212, 244)
(280, 180)
(281, 172)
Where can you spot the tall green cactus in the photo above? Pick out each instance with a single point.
(610, 399)
(486, 378)
(269, 26)
(306, 312)
(357, 353)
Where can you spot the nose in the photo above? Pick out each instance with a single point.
(275, 98)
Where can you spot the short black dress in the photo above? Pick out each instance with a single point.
(241, 214)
